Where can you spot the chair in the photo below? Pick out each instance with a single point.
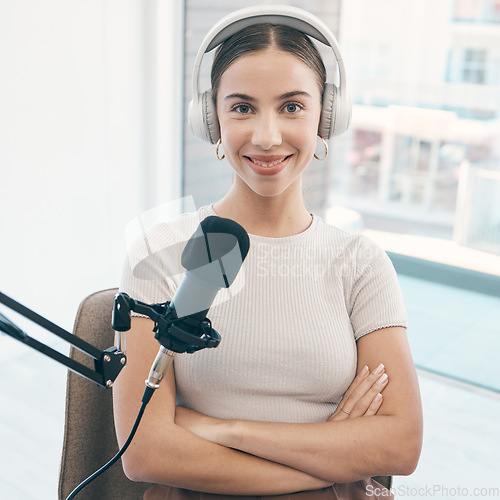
(89, 433)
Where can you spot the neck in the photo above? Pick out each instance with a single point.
(274, 217)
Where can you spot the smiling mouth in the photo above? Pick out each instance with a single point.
(269, 164)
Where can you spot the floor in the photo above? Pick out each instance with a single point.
(450, 330)
(32, 389)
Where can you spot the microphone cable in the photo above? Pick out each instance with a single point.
(145, 400)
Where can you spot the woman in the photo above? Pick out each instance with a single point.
(260, 415)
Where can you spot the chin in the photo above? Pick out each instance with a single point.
(269, 188)
(269, 191)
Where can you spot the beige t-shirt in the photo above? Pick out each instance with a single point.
(289, 323)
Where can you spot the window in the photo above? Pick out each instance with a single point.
(474, 66)
(468, 66)
(415, 134)
(487, 11)
(422, 167)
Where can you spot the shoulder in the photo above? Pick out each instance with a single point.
(353, 254)
(352, 245)
(160, 245)
(176, 229)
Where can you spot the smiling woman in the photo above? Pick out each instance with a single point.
(253, 412)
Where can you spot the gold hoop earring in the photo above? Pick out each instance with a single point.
(326, 150)
(220, 158)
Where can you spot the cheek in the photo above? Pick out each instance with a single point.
(305, 131)
(305, 137)
(233, 137)
(230, 130)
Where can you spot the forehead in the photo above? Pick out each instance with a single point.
(267, 70)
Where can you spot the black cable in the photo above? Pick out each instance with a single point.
(145, 400)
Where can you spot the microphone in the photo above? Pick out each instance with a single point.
(212, 258)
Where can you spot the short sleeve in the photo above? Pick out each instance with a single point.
(376, 300)
(152, 266)
(153, 269)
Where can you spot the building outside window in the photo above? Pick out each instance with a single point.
(483, 11)
(426, 131)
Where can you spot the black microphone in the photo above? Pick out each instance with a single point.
(212, 258)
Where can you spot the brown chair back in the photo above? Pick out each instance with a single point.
(89, 432)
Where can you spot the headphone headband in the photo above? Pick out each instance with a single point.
(273, 14)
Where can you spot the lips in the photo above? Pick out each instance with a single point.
(268, 164)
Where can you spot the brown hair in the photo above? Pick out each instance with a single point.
(262, 36)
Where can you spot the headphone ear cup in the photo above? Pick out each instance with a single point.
(327, 119)
(202, 118)
(335, 114)
(210, 120)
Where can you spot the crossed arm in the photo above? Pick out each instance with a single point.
(372, 436)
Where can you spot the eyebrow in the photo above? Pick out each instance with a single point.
(243, 97)
(286, 95)
(294, 93)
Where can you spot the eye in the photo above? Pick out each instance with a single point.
(292, 107)
(243, 109)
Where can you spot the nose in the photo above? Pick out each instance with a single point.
(266, 133)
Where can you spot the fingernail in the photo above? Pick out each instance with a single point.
(364, 371)
(382, 380)
(379, 369)
(378, 398)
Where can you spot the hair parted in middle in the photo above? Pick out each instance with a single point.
(259, 37)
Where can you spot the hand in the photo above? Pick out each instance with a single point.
(364, 396)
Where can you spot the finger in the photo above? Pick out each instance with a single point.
(356, 382)
(374, 406)
(367, 382)
(339, 414)
(369, 404)
(361, 388)
(363, 404)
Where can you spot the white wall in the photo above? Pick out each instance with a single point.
(87, 140)
(90, 137)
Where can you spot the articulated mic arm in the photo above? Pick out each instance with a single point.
(107, 363)
(180, 335)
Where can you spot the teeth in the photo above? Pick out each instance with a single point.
(267, 165)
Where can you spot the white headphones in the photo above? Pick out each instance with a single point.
(336, 112)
